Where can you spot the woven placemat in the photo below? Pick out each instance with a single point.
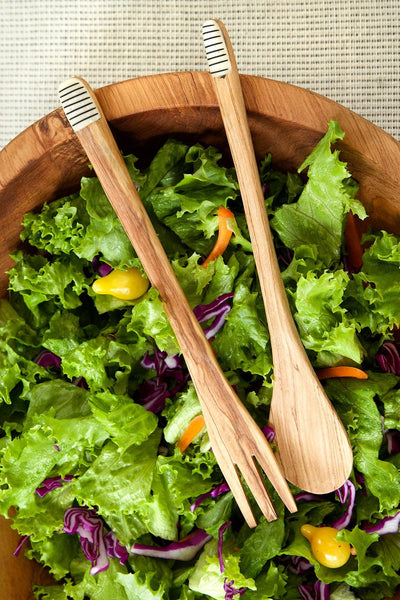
(348, 50)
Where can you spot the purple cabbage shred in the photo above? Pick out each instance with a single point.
(285, 257)
(100, 267)
(214, 493)
(306, 591)
(229, 586)
(299, 565)
(90, 529)
(308, 497)
(393, 441)
(184, 550)
(21, 542)
(217, 310)
(52, 483)
(171, 373)
(221, 532)
(346, 495)
(169, 369)
(388, 358)
(80, 382)
(269, 433)
(231, 591)
(47, 359)
(384, 526)
(318, 591)
(114, 548)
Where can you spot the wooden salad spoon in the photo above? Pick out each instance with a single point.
(314, 449)
(236, 440)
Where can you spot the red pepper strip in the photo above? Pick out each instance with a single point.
(353, 242)
(224, 235)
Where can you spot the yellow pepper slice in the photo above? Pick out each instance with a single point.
(125, 285)
(326, 549)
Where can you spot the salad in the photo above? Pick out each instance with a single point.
(105, 463)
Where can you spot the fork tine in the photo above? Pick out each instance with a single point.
(233, 480)
(253, 478)
(271, 468)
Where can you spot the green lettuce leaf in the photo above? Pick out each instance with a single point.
(207, 578)
(357, 407)
(243, 342)
(40, 280)
(318, 215)
(324, 324)
(262, 544)
(373, 294)
(188, 207)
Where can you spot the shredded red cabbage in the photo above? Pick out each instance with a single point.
(21, 542)
(89, 527)
(100, 267)
(80, 382)
(231, 591)
(318, 591)
(345, 494)
(388, 358)
(269, 433)
(393, 441)
(171, 376)
(214, 493)
(285, 257)
(229, 586)
(171, 372)
(152, 395)
(306, 592)
(163, 363)
(308, 497)
(384, 526)
(114, 549)
(51, 483)
(299, 565)
(221, 532)
(185, 549)
(47, 359)
(217, 310)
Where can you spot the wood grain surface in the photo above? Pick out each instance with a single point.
(47, 161)
(313, 447)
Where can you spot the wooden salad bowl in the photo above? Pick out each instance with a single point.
(46, 161)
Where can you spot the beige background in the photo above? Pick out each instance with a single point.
(348, 50)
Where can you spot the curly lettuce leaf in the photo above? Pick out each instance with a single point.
(189, 206)
(318, 215)
(243, 343)
(325, 326)
(373, 294)
(38, 279)
(355, 401)
(59, 227)
(206, 578)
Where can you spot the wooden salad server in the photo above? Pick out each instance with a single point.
(314, 449)
(236, 440)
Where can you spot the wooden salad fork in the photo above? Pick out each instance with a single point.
(236, 440)
(313, 447)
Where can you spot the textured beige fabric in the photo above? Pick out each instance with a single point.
(348, 50)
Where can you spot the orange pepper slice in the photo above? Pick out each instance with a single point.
(195, 426)
(329, 372)
(224, 235)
